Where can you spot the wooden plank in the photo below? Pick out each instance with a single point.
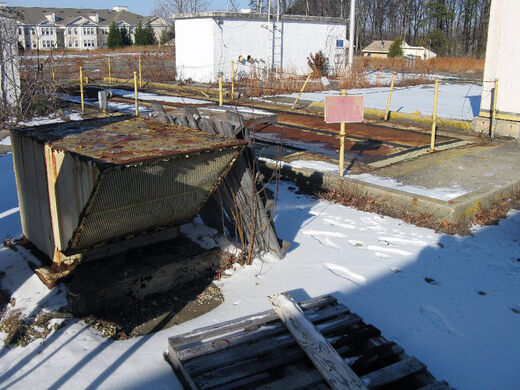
(437, 386)
(261, 333)
(245, 368)
(393, 373)
(179, 369)
(372, 381)
(245, 383)
(331, 366)
(248, 350)
(244, 322)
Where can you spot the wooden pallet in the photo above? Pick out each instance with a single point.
(264, 352)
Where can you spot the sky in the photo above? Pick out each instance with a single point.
(138, 6)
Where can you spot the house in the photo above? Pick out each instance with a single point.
(76, 28)
(207, 43)
(9, 65)
(381, 49)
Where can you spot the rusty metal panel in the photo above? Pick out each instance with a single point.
(112, 179)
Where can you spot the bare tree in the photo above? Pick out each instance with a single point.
(9, 68)
(167, 8)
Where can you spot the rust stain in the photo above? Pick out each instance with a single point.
(366, 130)
(54, 166)
(365, 149)
(134, 140)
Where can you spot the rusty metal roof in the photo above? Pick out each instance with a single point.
(124, 141)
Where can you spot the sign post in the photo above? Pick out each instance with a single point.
(343, 109)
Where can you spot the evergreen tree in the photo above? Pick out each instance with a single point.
(114, 39)
(150, 35)
(126, 39)
(396, 49)
(167, 35)
(140, 35)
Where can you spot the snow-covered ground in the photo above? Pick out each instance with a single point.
(43, 120)
(448, 300)
(456, 101)
(157, 98)
(383, 77)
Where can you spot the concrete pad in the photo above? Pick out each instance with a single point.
(486, 172)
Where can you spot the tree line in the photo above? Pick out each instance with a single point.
(448, 27)
(143, 36)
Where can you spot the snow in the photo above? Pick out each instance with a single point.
(382, 77)
(5, 141)
(440, 193)
(157, 98)
(456, 101)
(448, 300)
(10, 225)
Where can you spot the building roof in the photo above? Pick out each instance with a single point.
(251, 15)
(36, 15)
(378, 47)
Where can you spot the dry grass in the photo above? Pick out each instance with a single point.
(104, 50)
(462, 66)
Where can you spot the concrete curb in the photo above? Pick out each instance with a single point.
(452, 211)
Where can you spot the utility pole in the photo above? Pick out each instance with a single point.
(351, 34)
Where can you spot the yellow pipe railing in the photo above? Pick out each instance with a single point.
(387, 111)
(81, 89)
(136, 95)
(301, 91)
(434, 117)
(342, 142)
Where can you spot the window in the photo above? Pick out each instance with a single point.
(68, 30)
(76, 43)
(75, 30)
(20, 31)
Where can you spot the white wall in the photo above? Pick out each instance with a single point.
(9, 66)
(502, 59)
(194, 49)
(304, 38)
(245, 37)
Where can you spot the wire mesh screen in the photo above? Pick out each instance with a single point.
(136, 199)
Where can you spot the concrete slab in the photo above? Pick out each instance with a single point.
(484, 173)
(472, 167)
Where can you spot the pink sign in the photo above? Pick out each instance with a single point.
(346, 109)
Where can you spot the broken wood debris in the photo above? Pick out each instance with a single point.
(259, 352)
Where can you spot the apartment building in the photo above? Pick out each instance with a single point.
(76, 28)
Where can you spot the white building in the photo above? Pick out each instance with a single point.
(206, 43)
(502, 58)
(381, 49)
(9, 66)
(417, 52)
